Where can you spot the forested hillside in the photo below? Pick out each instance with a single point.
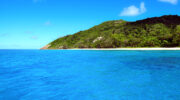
(151, 32)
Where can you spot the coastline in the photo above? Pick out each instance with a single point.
(178, 48)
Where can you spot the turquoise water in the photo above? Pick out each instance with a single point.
(89, 75)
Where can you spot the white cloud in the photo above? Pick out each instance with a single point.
(142, 8)
(34, 37)
(170, 1)
(28, 32)
(4, 34)
(133, 10)
(48, 23)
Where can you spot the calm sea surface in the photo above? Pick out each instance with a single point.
(89, 75)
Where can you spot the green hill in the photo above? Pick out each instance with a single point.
(151, 32)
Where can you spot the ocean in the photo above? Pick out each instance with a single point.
(89, 75)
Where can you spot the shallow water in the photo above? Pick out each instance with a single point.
(89, 75)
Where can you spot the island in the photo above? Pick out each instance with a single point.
(155, 32)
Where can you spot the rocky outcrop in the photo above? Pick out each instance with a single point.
(46, 47)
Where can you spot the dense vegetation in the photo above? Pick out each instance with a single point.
(152, 32)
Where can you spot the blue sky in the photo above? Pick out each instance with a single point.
(31, 24)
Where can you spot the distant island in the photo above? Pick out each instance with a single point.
(161, 31)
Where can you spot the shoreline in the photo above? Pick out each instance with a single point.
(178, 48)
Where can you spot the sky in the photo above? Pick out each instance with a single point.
(31, 24)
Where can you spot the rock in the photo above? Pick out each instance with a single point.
(46, 47)
(98, 39)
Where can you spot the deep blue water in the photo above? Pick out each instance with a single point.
(89, 75)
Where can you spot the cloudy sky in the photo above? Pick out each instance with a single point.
(31, 24)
